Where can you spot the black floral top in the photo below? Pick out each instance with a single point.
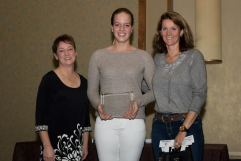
(63, 112)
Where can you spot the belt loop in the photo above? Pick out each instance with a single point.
(156, 113)
(181, 117)
(171, 118)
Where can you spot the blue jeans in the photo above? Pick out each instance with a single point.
(168, 131)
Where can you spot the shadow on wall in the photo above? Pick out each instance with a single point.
(92, 113)
(203, 110)
(150, 109)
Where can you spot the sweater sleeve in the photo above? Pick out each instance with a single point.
(199, 82)
(149, 68)
(94, 80)
(87, 126)
(41, 103)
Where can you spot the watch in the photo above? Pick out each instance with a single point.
(183, 129)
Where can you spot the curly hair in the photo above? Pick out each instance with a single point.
(186, 41)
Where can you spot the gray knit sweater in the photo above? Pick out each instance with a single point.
(119, 73)
(180, 86)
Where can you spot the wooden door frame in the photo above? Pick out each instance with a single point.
(142, 22)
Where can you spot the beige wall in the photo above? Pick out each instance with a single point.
(27, 30)
(222, 110)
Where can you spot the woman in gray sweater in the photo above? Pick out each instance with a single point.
(179, 85)
(119, 70)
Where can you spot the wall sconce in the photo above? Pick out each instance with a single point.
(208, 30)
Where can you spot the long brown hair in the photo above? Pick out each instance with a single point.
(186, 41)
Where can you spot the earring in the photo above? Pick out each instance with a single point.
(113, 41)
(57, 58)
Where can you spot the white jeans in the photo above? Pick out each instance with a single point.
(119, 139)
